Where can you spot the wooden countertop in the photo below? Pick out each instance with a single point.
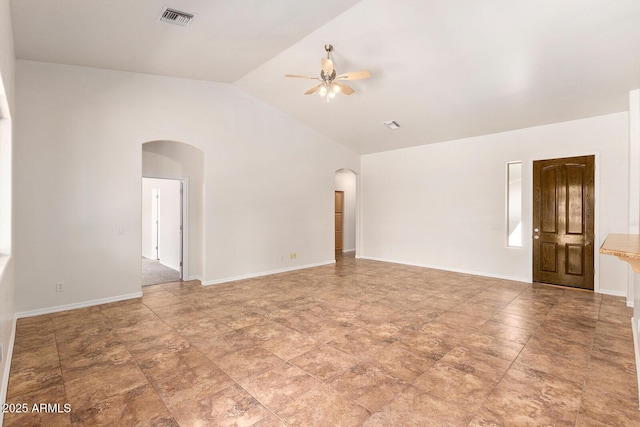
(624, 246)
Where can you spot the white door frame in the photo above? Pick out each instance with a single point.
(184, 219)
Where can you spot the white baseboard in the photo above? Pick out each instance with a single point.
(454, 270)
(264, 273)
(620, 294)
(636, 350)
(84, 304)
(485, 274)
(7, 366)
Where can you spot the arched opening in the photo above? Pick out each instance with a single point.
(172, 212)
(345, 213)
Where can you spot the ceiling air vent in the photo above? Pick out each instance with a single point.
(177, 17)
(391, 124)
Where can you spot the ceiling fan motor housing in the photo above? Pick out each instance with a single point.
(327, 78)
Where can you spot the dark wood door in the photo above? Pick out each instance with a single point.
(563, 221)
(339, 219)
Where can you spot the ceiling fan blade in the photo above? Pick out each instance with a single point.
(313, 89)
(296, 76)
(347, 90)
(354, 75)
(327, 66)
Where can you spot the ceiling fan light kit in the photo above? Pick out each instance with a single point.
(329, 86)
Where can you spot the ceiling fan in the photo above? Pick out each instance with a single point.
(329, 85)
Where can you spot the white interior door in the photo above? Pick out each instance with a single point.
(162, 221)
(155, 211)
(170, 224)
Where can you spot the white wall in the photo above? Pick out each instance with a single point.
(268, 186)
(169, 159)
(169, 236)
(7, 276)
(443, 205)
(346, 181)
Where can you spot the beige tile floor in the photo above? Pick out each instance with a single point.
(360, 343)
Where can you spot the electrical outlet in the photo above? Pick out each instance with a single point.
(59, 286)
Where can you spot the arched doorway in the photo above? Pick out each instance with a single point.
(167, 165)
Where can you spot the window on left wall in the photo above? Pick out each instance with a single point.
(5, 174)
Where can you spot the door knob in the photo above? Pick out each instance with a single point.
(536, 230)
(536, 237)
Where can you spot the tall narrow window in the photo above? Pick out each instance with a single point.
(5, 175)
(514, 204)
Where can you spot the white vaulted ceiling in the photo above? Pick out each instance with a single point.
(442, 69)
